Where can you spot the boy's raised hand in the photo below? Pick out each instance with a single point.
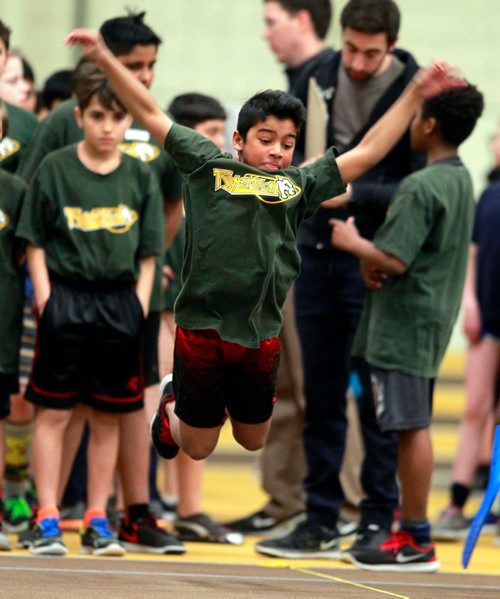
(437, 78)
(89, 40)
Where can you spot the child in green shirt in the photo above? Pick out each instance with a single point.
(415, 268)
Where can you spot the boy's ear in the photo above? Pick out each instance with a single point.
(393, 45)
(238, 142)
(430, 125)
(78, 117)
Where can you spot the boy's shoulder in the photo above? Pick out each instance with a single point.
(11, 184)
(19, 117)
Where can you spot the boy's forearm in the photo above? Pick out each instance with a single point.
(469, 295)
(39, 274)
(144, 283)
(365, 250)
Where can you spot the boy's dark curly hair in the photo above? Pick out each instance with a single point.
(456, 112)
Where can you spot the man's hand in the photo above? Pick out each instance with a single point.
(439, 77)
(90, 41)
(344, 234)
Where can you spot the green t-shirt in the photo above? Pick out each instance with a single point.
(406, 325)
(11, 277)
(22, 125)
(60, 129)
(93, 227)
(241, 229)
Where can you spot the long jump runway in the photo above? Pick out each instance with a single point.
(106, 578)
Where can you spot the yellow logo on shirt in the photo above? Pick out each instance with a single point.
(114, 220)
(141, 150)
(269, 189)
(4, 219)
(8, 147)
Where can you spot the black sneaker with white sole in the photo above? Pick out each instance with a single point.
(306, 541)
(368, 538)
(262, 523)
(200, 528)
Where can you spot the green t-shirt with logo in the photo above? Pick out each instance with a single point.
(22, 125)
(241, 229)
(60, 129)
(93, 227)
(11, 277)
(406, 325)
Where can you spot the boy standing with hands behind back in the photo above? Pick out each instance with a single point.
(415, 267)
(242, 220)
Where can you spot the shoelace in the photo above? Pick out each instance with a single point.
(18, 508)
(50, 527)
(397, 540)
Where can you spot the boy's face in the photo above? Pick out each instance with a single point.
(140, 61)
(269, 144)
(365, 55)
(214, 130)
(14, 88)
(103, 129)
(282, 32)
(420, 129)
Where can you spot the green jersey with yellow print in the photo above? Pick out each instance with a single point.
(92, 227)
(241, 229)
(60, 129)
(21, 127)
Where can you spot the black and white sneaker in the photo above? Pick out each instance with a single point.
(200, 528)
(368, 539)
(262, 523)
(306, 541)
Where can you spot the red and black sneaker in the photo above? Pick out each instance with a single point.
(145, 536)
(160, 426)
(399, 553)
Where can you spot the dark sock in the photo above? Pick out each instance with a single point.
(459, 494)
(137, 511)
(420, 530)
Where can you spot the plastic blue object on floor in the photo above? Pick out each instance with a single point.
(490, 494)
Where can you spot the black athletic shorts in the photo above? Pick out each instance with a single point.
(89, 349)
(8, 385)
(150, 354)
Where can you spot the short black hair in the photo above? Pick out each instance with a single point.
(5, 34)
(372, 16)
(89, 81)
(270, 103)
(121, 34)
(191, 109)
(320, 10)
(456, 112)
(57, 87)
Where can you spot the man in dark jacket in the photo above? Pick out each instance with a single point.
(365, 78)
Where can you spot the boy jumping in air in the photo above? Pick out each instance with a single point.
(242, 219)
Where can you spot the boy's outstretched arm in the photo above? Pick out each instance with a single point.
(389, 128)
(134, 95)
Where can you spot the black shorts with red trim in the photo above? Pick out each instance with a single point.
(89, 349)
(212, 375)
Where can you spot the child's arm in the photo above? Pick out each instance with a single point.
(134, 95)
(144, 284)
(389, 128)
(39, 274)
(470, 305)
(346, 237)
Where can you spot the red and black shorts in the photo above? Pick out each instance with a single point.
(89, 349)
(212, 375)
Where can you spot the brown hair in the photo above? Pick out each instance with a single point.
(89, 81)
